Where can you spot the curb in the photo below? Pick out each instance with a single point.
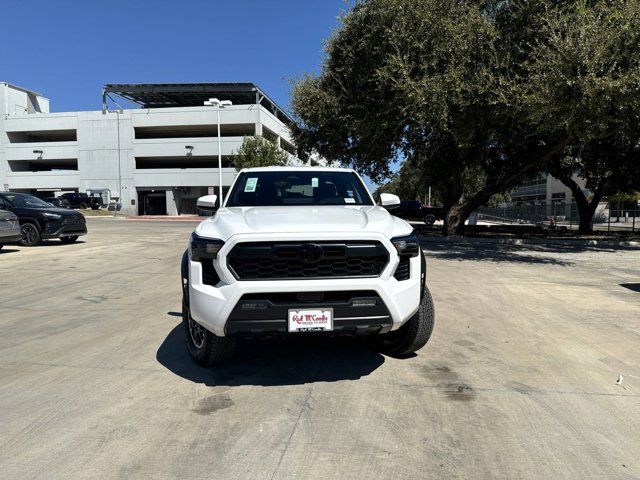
(569, 242)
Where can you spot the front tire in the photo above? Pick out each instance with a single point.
(30, 234)
(414, 334)
(69, 239)
(204, 347)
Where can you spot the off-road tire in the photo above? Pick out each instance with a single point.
(30, 234)
(69, 239)
(83, 206)
(214, 350)
(414, 334)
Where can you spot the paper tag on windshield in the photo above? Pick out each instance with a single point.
(314, 182)
(349, 200)
(250, 186)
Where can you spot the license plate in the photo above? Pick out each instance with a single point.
(316, 320)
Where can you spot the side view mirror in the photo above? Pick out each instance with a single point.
(389, 201)
(207, 203)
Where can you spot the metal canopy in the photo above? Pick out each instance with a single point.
(162, 95)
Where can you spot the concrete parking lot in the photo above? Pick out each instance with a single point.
(518, 381)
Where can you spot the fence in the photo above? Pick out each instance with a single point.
(612, 216)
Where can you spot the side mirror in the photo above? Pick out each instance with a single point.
(207, 203)
(389, 201)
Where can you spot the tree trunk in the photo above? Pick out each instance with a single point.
(451, 197)
(458, 214)
(586, 209)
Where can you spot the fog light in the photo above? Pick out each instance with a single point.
(364, 302)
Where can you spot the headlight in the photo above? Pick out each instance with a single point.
(204, 248)
(407, 246)
(52, 216)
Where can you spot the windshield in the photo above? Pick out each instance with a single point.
(287, 187)
(22, 200)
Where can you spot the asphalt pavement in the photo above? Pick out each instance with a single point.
(518, 380)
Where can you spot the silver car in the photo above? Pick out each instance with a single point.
(9, 228)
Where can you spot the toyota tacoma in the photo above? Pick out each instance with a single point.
(299, 251)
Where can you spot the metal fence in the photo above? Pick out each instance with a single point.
(610, 216)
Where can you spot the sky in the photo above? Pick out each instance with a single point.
(66, 50)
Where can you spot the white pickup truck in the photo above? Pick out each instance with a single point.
(300, 251)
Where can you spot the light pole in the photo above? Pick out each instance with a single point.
(219, 104)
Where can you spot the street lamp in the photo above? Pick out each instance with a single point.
(214, 102)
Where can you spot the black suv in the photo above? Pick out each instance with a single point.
(82, 200)
(57, 202)
(40, 220)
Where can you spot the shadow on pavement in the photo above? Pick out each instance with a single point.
(534, 254)
(8, 250)
(55, 242)
(271, 362)
(634, 287)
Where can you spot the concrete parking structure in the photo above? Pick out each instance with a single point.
(156, 159)
(518, 380)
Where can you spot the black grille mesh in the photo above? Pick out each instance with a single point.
(281, 260)
(73, 220)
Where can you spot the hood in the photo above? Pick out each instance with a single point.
(308, 218)
(65, 212)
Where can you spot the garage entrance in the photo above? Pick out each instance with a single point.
(152, 202)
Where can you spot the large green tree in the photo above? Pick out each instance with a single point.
(257, 151)
(489, 90)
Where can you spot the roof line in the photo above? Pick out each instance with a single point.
(18, 87)
(141, 93)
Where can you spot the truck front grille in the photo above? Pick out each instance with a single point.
(307, 260)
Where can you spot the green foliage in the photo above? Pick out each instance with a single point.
(608, 165)
(257, 151)
(474, 93)
(406, 183)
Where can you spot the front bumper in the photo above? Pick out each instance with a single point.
(215, 307)
(61, 229)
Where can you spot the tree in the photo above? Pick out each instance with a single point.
(477, 93)
(257, 151)
(609, 166)
(407, 183)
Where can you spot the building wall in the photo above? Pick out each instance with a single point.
(96, 151)
(548, 190)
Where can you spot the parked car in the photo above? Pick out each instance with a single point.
(40, 220)
(409, 210)
(82, 200)
(58, 202)
(431, 214)
(415, 210)
(298, 251)
(9, 227)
